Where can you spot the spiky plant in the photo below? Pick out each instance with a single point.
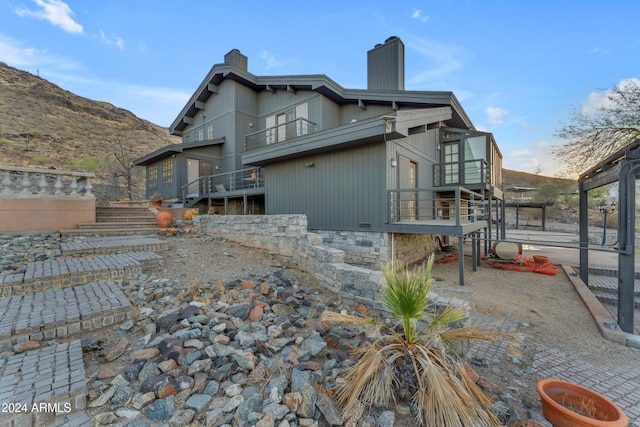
(418, 358)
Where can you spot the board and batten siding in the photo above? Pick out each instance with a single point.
(342, 190)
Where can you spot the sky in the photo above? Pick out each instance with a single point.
(520, 69)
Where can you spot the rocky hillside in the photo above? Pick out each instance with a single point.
(43, 125)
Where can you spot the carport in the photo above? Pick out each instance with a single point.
(622, 167)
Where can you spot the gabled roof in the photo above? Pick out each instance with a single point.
(315, 82)
(172, 149)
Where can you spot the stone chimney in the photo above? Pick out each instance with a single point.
(234, 57)
(385, 65)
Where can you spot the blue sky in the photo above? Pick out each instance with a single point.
(519, 68)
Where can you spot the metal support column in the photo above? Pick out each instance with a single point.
(626, 237)
(461, 259)
(584, 234)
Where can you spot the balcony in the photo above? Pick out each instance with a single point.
(423, 210)
(281, 133)
(238, 183)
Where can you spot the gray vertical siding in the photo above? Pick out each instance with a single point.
(341, 191)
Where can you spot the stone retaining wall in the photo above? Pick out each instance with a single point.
(287, 235)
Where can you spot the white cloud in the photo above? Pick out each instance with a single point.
(112, 40)
(15, 54)
(536, 157)
(57, 12)
(445, 60)
(496, 115)
(598, 51)
(270, 59)
(598, 100)
(417, 15)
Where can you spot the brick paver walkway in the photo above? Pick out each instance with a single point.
(58, 313)
(42, 385)
(63, 273)
(109, 244)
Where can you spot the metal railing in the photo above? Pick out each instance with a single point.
(423, 204)
(280, 133)
(204, 186)
(45, 183)
(461, 173)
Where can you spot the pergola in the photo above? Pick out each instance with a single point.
(623, 167)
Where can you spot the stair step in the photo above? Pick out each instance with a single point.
(70, 232)
(112, 244)
(60, 313)
(127, 218)
(101, 225)
(61, 384)
(66, 272)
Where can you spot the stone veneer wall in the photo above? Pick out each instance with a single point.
(287, 235)
(373, 249)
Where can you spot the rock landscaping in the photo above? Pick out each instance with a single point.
(246, 348)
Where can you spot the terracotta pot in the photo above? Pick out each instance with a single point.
(156, 204)
(565, 404)
(540, 259)
(165, 219)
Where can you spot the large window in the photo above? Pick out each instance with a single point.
(288, 124)
(451, 166)
(167, 171)
(152, 177)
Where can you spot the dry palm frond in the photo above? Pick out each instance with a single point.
(448, 316)
(473, 333)
(372, 379)
(331, 316)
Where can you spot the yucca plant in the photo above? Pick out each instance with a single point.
(417, 356)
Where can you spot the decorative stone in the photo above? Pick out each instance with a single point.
(386, 419)
(233, 403)
(26, 346)
(255, 315)
(167, 365)
(142, 400)
(251, 404)
(277, 410)
(150, 369)
(197, 402)
(182, 417)
(145, 353)
(199, 366)
(330, 412)
(307, 406)
(240, 311)
(122, 395)
(160, 409)
(312, 346)
(104, 397)
(117, 350)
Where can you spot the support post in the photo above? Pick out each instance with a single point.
(584, 234)
(626, 237)
(461, 259)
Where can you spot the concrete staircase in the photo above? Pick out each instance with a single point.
(117, 221)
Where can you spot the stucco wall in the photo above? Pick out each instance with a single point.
(44, 214)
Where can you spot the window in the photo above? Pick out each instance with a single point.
(287, 125)
(201, 134)
(167, 171)
(417, 129)
(209, 131)
(152, 176)
(451, 163)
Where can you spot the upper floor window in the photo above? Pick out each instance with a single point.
(210, 131)
(201, 134)
(287, 125)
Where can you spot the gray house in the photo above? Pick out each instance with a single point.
(381, 171)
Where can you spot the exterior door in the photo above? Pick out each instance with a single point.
(451, 163)
(193, 173)
(407, 180)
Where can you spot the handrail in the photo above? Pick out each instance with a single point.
(422, 204)
(303, 127)
(17, 182)
(227, 181)
(465, 172)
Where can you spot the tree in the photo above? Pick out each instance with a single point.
(126, 168)
(594, 134)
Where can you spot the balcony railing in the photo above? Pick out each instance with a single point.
(204, 186)
(44, 183)
(280, 133)
(461, 173)
(422, 204)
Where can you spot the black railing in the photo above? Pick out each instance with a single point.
(205, 186)
(461, 173)
(280, 133)
(422, 204)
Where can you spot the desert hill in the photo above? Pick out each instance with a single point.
(43, 125)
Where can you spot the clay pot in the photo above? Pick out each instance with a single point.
(165, 219)
(540, 259)
(565, 404)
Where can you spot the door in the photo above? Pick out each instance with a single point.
(407, 180)
(451, 163)
(193, 173)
